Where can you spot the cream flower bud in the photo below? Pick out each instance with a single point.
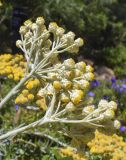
(40, 21)
(73, 49)
(81, 66)
(70, 35)
(64, 97)
(77, 73)
(53, 27)
(69, 63)
(88, 109)
(76, 96)
(60, 31)
(70, 107)
(57, 85)
(103, 104)
(52, 76)
(109, 113)
(34, 26)
(79, 42)
(117, 124)
(112, 105)
(69, 38)
(28, 23)
(18, 43)
(89, 68)
(88, 76)
(28, 35)
(66, 84)
(69, 75)
(22, 30)
(84, 84)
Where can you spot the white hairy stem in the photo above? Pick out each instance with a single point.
(98, 110)
(19, 130)
(15, 89)
(56, 140)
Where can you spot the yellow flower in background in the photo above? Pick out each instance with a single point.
(70, 152)
(109, 145)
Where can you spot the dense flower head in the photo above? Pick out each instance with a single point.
(39, 37)
(112, 146)
(28, 95)
(69, 81)
(12, 66)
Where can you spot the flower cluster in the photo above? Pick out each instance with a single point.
(70, 152)
(12, 66)
(37, 41)
(111, 146)
(118, 85)
(106, 110)
(28, 95)
(70, 80)
(63, 85)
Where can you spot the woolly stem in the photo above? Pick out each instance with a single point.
(15, 89)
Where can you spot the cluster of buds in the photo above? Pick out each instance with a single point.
(68, 39)
(28, 95)
(70, 81)
(37, 41)
(105, 112)
(12, 66)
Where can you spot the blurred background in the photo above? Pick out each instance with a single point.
(101, 23)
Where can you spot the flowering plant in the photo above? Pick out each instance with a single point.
(60, 87)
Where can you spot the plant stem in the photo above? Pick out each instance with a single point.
(56, 140)
(15, 89)
(19, 130)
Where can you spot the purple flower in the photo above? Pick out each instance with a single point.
(113, 79)
(124, 86)
(116, 87)
(16, 107)
(113, 85)
(106, 97)
(95, 83)
(122, 128)
(91, 94)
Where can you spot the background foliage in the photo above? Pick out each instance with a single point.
(102, 23)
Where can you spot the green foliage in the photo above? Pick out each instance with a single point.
(102, 23)
(116, 63)
(5, 16)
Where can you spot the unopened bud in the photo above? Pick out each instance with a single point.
(18, 43)
(112, 105)
(70, 107)
(40, 21)
(79, 42)
(117, 124)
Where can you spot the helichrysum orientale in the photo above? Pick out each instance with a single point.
(60, 86)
